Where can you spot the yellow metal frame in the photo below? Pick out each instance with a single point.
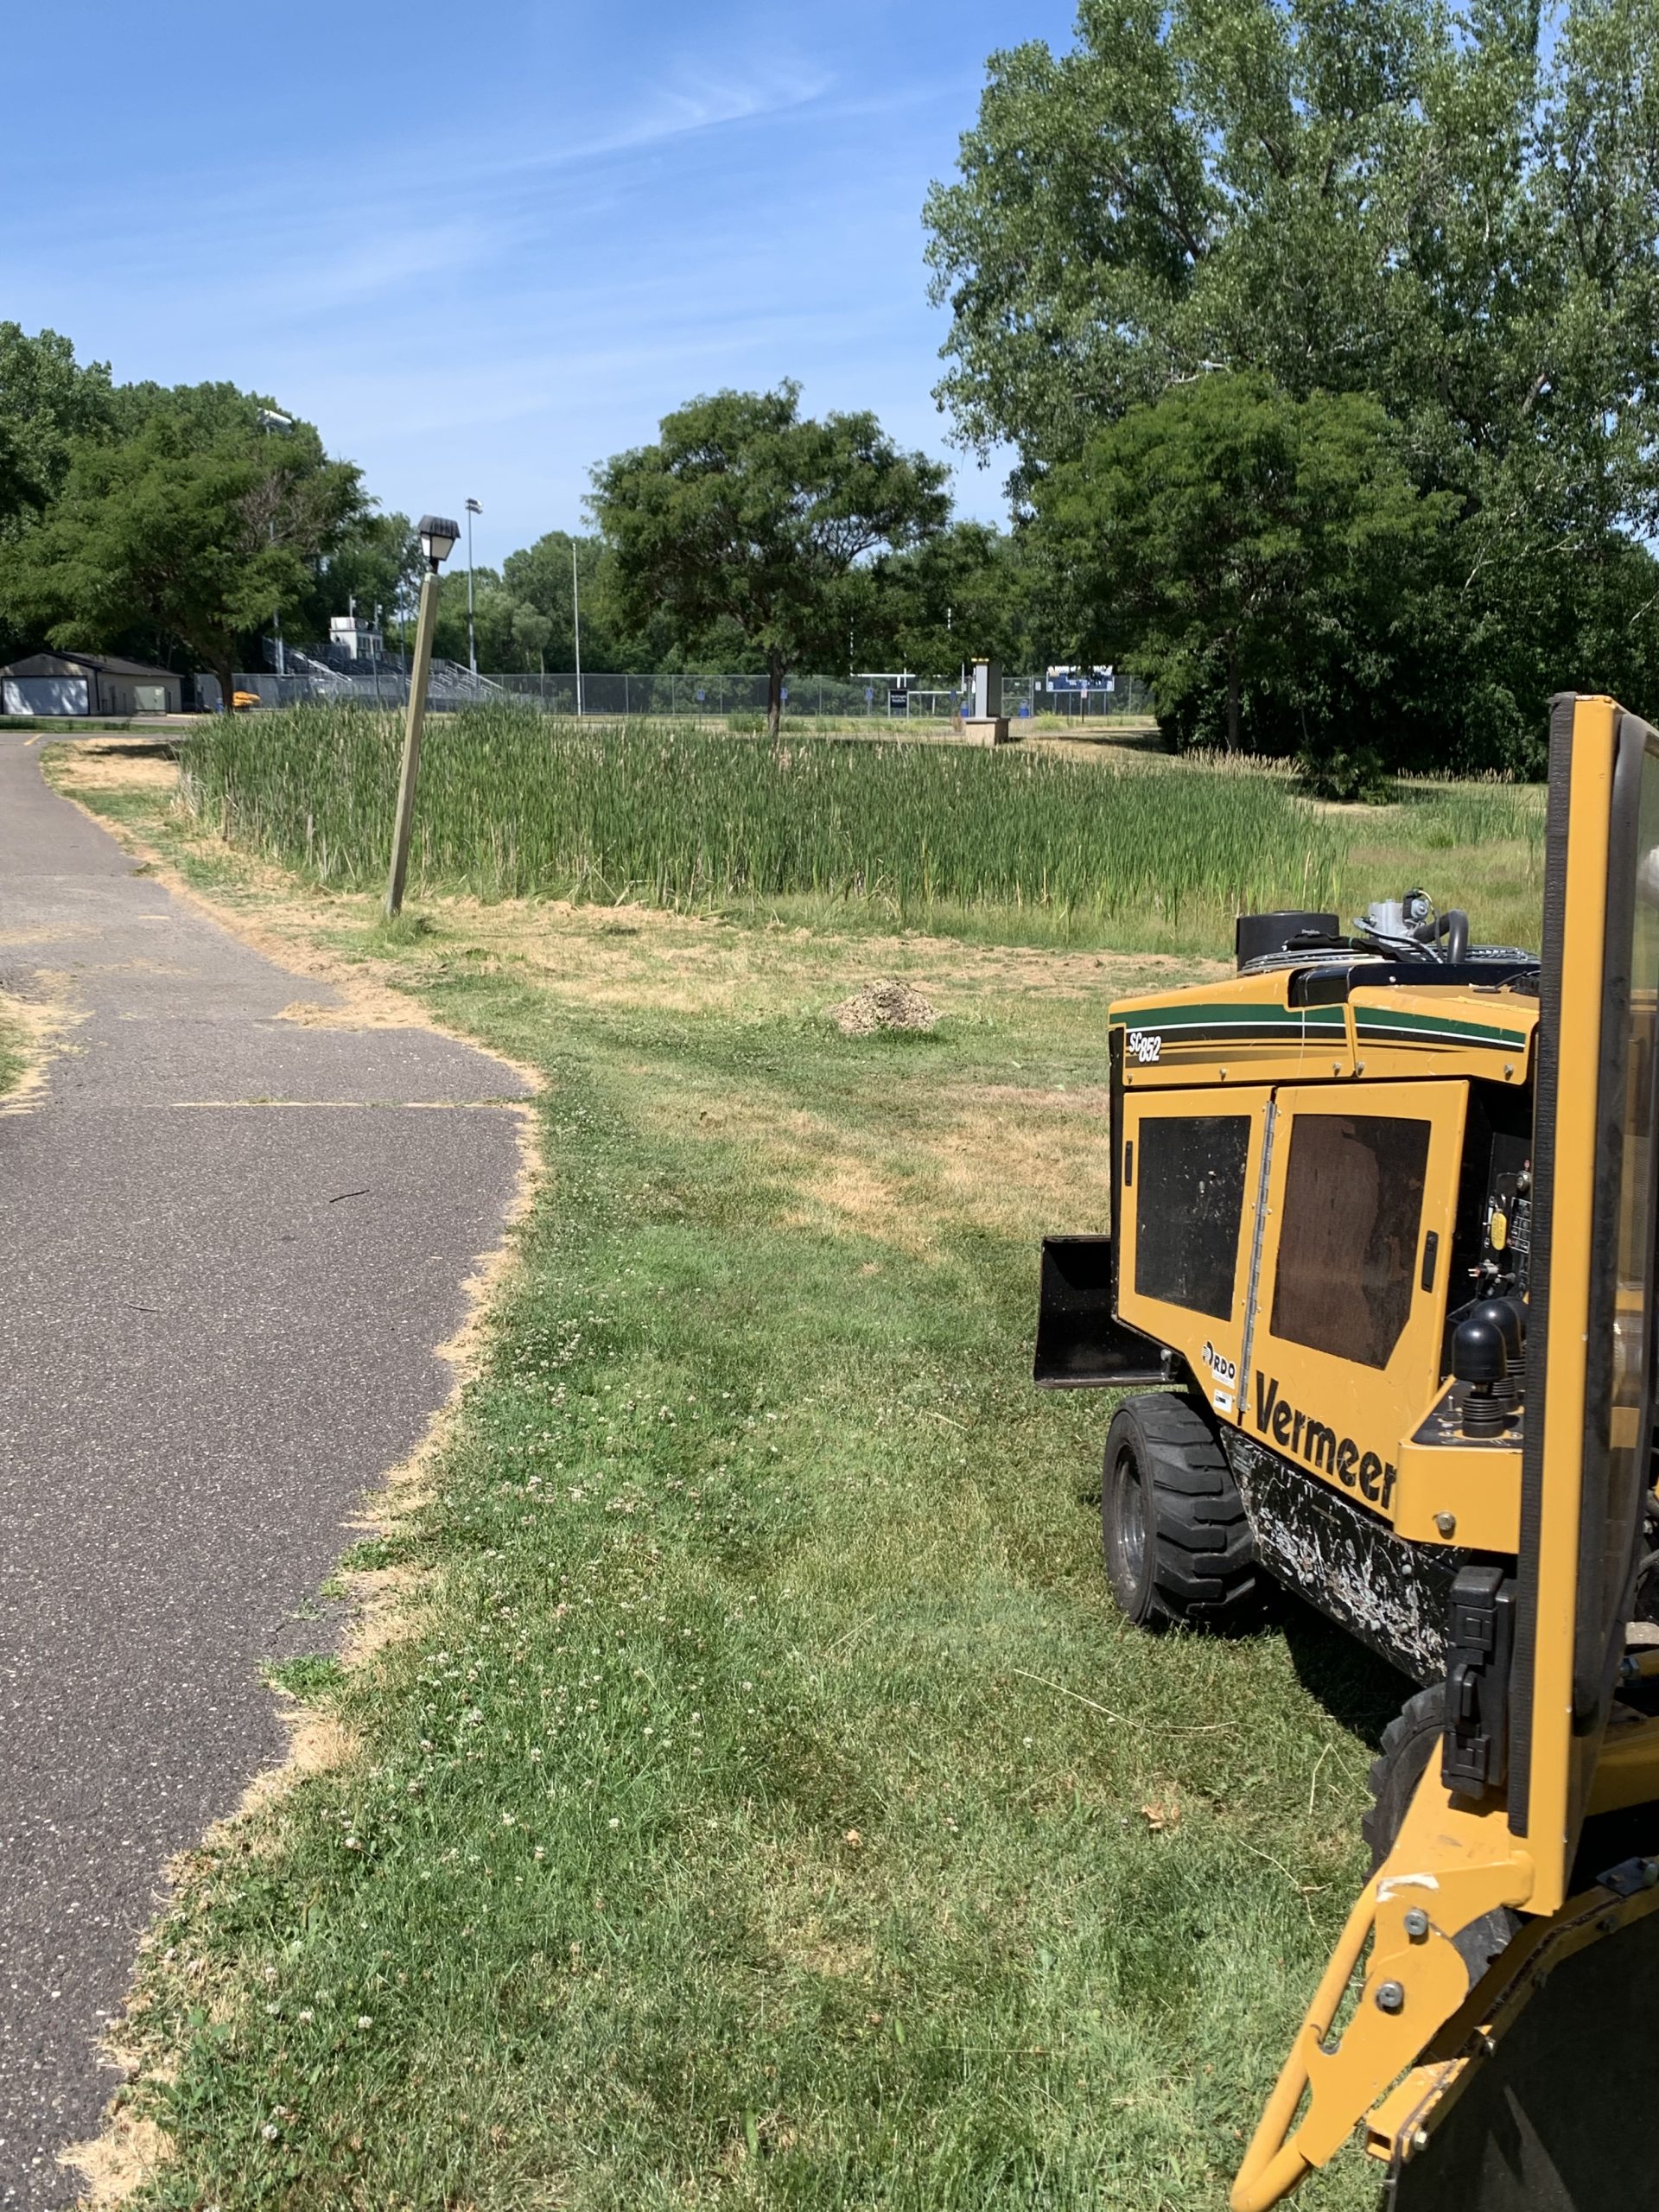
(1560, 1764)
(1400, 2126)
(1449, 1864)
(1452, 1863)
(1477, 1487)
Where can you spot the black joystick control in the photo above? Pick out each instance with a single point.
(1480, 1359)
(1509, 1316)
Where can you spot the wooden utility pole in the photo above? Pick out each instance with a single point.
(425, 625)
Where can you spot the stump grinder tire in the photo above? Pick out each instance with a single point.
(1409, 1742)
(1177, 1544)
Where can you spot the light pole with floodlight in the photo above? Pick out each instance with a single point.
(473, 508)
(438, 537)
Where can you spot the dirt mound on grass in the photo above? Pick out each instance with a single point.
(883, 1006)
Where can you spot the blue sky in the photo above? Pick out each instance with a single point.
(482, 246)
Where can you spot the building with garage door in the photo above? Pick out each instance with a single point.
(88, 683)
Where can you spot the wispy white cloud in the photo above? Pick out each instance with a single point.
(602, 209)
(685, 103)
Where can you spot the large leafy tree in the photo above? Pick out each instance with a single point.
(192, 521)
(748, 519)
(1243, 549)
(48, 401)
(1447, 211)
(538, 577)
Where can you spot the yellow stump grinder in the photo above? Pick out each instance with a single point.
(1382, 1230)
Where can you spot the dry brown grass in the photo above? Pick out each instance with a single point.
(116, 763)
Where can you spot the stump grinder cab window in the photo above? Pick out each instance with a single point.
(1609, 1560)
(1590, 1366)
(1353, 1207)
(1349, 1306)
(1620, 1364)
(1189, 1201)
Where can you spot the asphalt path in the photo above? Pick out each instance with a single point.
(229, 1245)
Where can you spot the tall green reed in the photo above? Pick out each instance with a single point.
(512, 805)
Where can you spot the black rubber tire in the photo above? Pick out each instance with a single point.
(1409, 1742)
(1177, 1541)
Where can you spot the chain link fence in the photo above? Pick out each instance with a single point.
(683, 697)
(819, 698)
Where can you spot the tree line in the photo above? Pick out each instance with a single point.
(183, 525)
(1321, 335)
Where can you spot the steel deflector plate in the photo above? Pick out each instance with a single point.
(1556, 2120)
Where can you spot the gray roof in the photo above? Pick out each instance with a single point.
(104, 663)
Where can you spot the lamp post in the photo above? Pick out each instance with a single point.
(438, 538)
(473, 508)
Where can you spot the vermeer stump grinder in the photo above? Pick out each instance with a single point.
(1382, 1229)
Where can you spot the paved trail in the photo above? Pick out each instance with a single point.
(228, 1244)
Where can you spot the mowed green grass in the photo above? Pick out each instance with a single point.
(769, 1806)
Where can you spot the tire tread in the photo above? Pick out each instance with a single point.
(1205, 1568)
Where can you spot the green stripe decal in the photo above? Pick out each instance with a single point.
(1431, 1028)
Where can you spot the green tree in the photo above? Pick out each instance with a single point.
(494, 608)
(1448, 211)
(530, 630)
(538, 576)
(191, 521)
(1230, 541)
(376, 561)
(47, 402)
(1381, 196)
(748, 519)
(970, 591)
